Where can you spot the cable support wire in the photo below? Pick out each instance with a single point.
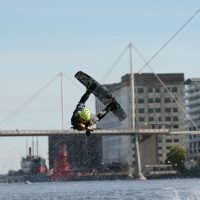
(114, 64)
(168, 41)
(12, 115)
(109, 72)
(163, 84)
(69, 79)
(106, 75)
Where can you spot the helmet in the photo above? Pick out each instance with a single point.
(84, 114)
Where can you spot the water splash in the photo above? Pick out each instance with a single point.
(171, 193)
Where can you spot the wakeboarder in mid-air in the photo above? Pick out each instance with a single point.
(82, 119)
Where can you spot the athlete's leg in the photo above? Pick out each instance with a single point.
(111, 106)
(88, 133)
(102, 114)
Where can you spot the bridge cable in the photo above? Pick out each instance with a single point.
(168, 41)
(12, 115)
(163, 84)
(106, 75)
(69, 79)
(114, 64)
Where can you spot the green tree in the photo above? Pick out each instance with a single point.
(176, 157)
(11, 172)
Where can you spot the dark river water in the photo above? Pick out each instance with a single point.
(176, 189)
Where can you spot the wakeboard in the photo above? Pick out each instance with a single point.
(102, 94)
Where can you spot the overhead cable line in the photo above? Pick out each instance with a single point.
(168, 41)
(21, 107)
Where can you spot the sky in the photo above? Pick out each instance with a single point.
(41, 39)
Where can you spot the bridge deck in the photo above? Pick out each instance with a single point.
(73, 132)
(4, 133)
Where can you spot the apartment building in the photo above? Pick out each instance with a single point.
(192, 105)
(155, 107)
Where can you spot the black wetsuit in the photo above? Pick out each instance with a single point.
(79, 107)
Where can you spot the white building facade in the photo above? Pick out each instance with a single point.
(192, 105)
(154, 108)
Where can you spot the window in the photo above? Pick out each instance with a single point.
(150, 100)
(168, 119)
(151, 119)
(199, 144)
(167, 100)
(157, 110)
(167, 110)
(176, 126)
(150, 110)
(175, 109)
(150, 90)
(140, 100)
(174, 100)
(157, 100)
(140, 90)
(175, 118)
(141, 119)
(168, 140)
(176, 140)
(157, 90)
(141, 110)
(174, 89)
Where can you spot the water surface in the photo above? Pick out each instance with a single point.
(176, 189)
